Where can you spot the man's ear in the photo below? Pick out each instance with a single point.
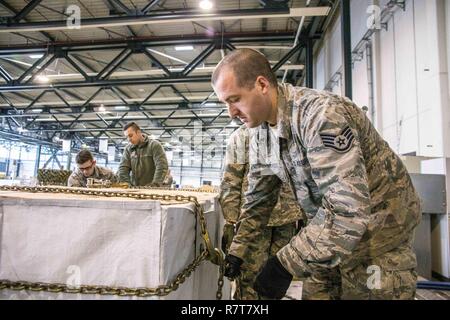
(263, 84)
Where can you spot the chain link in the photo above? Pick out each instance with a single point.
(210, 253)
(198, 190)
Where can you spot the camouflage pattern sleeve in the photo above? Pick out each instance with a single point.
(112, 177)
(75, 180)
(230, 191)
(234, 174)
(338, 168)
(260, 199)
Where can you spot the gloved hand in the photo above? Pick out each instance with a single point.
(232, 266)
(227, 237)
(273, 281)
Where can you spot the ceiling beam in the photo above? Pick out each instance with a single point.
(176, 16)
(153, 128)
(26, 10)
(103, 83)
(14, 12)
(153, 41)
(104, 118)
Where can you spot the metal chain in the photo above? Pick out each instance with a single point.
(220, 281)
(162, 290)
(198, 190)
(210, 253)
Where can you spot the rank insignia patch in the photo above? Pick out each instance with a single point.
(340, 143)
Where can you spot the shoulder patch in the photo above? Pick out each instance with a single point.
(341, 143)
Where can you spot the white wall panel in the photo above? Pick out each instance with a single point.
(360, 83)
(390, 135)
(408, 135)
(406, 84)
(405, 58)
(359, 18)
(383, 3)
(334, 49)
(412, 84)
(328, 59)
(432, 88)
(319, 73)
(388, 106)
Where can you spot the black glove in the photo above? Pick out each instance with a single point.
(227, 237)
(273, 281)
(232, 266)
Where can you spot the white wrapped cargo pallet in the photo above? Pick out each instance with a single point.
(115, 242)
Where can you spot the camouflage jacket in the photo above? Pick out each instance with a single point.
(355, 191)
(77, 178)
(147, 163)
(234, 184)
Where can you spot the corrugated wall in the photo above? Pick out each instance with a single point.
(409, 97)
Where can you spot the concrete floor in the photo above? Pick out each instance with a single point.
(432, 295)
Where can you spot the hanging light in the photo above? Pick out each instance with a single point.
(102, 108)
(206, 5)
(36, 56)
(184, 48)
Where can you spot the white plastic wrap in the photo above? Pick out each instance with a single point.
(57, 238)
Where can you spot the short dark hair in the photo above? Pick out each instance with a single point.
(247, 66)
(83, 156)
(132, 125)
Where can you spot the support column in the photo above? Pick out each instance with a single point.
(69, 160)
(309, 64)
(38, 160)
(347, 48)
(201, 169)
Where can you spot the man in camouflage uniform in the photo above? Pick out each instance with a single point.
(87, 168)
(282, 224)
(361, 206)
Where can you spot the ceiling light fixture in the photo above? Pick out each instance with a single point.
(184, 48)
(36, 56)
(102, 108)
(206, 5)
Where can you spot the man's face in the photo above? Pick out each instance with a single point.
(251, 106)
(133, 136)
(87, 168)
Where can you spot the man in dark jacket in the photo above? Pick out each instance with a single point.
(143, 157)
